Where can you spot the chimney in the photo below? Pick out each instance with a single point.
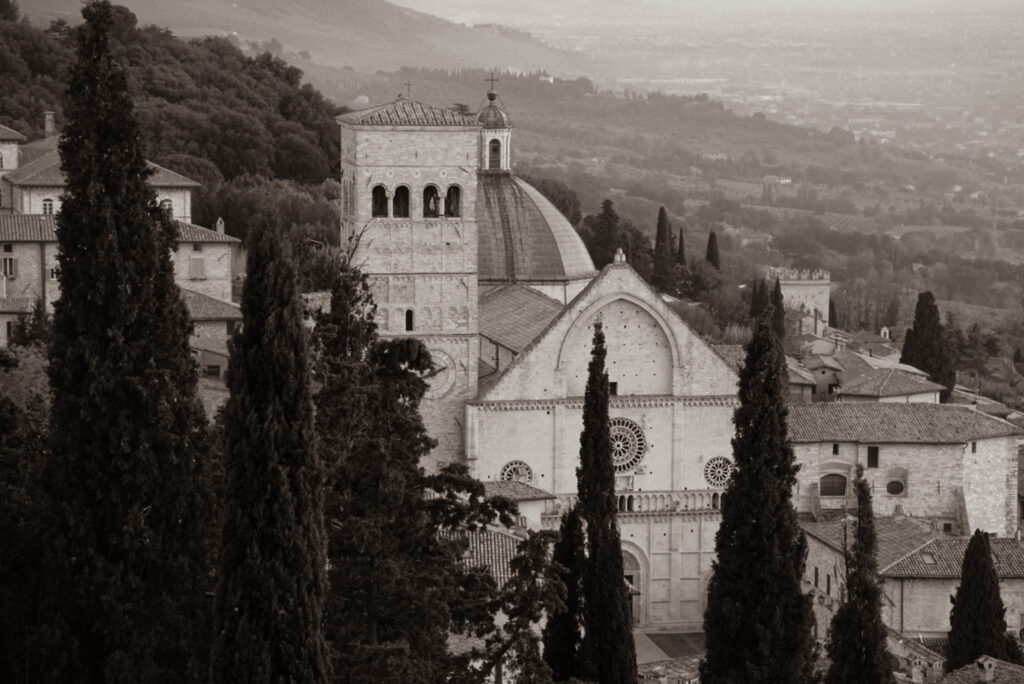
(917, 671)
(986, 669)
(220, 225)
(49, 128)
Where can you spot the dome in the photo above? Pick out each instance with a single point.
(522, 236)
(493, 116)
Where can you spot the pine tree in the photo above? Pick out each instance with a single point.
(711, 255)
(273, 584)
(778, 311)
(664, 273)
(857, 635)
(978, 619)
(609, 652)
(131, 555)
(757, 625)
(563, 634)
(926, 346)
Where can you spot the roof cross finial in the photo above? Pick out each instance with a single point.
(492, 80)
(408, 90)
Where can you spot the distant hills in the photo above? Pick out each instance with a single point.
(363, 34)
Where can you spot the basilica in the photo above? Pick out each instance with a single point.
(500, 287)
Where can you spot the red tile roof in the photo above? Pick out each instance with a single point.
(45, 172)
(404, 112)
(514, 315)
(732, 354)
(17, 305)
(36, 149)
(10, 135)
(887, 382)
(28, 228)
(884, 423)
(1002, 672)
(514, 490)
(943, 558)
(205, 308)
(189, 232)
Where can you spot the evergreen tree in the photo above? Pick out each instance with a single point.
(664, 274)
(757, 625)
(605, 235)
(778, 312)
(563, 634)
(711, 255)
(273, 584)
(131, 553)
(857, 635)
(609, 652)
(978, 619)
(926, 346)
(681, 250)
(758, 298)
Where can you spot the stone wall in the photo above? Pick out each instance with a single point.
(216, 257)
(36, 271)
(921, 606)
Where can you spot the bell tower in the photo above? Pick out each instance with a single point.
(495, 137)
(409, 176)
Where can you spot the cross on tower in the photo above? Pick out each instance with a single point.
(408, 90)
(492, 80)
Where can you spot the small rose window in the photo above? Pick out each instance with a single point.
(628, 444)
(717, 471)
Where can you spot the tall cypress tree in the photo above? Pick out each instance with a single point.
(273, 584)
(926, 346)
(778, 311)
(757, 625)
(132, 552)
(977, 620)
(758, 298)
(609, 651)
(664, 271)
(711, 254)
(681, 249)
(857, 637)
(563, 633)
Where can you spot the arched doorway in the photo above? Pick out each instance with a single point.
(634, 582)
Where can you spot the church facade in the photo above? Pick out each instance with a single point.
(480, 266)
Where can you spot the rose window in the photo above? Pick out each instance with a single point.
(717, 471)
(518, 471)
(628, 444)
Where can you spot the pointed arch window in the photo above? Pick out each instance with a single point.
(379, 207)
(494, 155)
(431, 202)
(400, 205)
(453, 201)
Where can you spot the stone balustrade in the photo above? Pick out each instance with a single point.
(635, 502)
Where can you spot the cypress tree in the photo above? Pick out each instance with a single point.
(681, 250)
(270, 600)
(778, 312)
(757, 625)
(609, 651)
(664, 271)
(857, 635)
(977, 620)
(926, 346)
(711, 255)
(758, 298)
(132, 550)
(605, 234)
(833, 315)
(563, 634)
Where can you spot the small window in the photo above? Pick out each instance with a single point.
(167, 206)
(947, 528)
(453, 202)
(494, 161)
(197, 247)
(431, 202)
(211, 371)
(408, 320)
(9, 267)
(8, 248)
(231, 327)
(815, 576)
(400, 205)
(833, 485)
(379, 208)
(1, 161)
(872, 457)
(835, 449)
(828, 584)
(613, 388)
(10, 329)
(197, 268)
(48, 206)
(895, 488)
(974, 447)
(54, 273)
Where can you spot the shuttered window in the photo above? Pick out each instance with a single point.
(9, 267)
(197, 268)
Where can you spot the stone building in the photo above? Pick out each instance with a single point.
(806, 293)
(491, 276)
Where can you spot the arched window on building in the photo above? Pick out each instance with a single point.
(48, 206)
(379, 208)
(494, 159)
(400, 205)
(453, 201)
(833, 485)
(431, 202)
(408, 320)
(167, 206)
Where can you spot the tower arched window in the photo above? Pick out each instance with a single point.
(833, 485)
(379, 208)
(494, 158)
(431, 202)
(48, 206)
(409, 320)
(453, 201)
(400, 205)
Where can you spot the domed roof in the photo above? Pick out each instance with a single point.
(522, 236)
(493, 116)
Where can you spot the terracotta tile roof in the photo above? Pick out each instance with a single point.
(205, 308)
(815, 361)
(10, 135)
(895, 535)
(732, 354)
(798, 374)
(1002, 672)
(514, 490)
(942, 558)
(489, 548)
(514, 315)
(36, 149)
(28, 228)
(404, 112)
(189, 232)
(45, 171)
(887, 382)
(884, 423)
(17, 305)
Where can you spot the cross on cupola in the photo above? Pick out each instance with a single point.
(492, 79)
